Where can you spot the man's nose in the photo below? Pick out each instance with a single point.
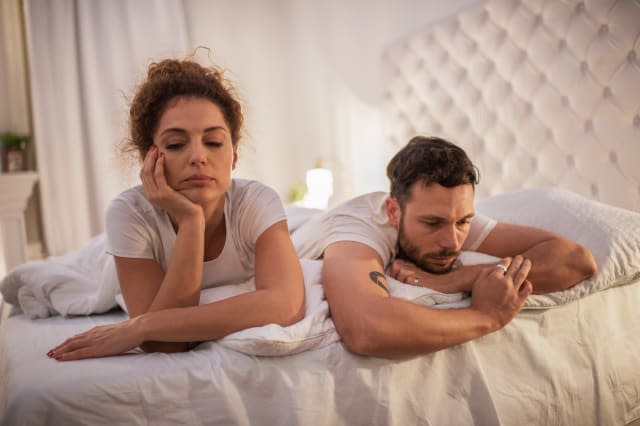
(449, 238)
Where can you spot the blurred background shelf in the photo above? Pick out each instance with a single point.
(15, 191)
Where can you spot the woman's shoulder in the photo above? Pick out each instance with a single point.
(242, 190)
(246, 197)
(131, 199)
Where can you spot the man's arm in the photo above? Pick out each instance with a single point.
(457, 280)
(557, 263)
(371, 322)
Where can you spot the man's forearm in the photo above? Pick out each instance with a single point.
(559, 264)
(458, 280)
(401, 328)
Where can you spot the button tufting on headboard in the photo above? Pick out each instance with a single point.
(540, 93)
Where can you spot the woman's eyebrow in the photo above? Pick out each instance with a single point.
(211, 129)
(182, 131)
(173, 130)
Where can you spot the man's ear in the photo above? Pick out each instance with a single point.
(392, 207)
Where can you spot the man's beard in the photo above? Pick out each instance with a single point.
(408, 251)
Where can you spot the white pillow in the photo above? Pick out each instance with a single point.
(297, 216)
(612, 234)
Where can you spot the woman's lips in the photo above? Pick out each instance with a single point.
(198, 180)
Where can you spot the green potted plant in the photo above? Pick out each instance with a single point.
(14, 151)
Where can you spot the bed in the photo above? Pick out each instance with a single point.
(556, 144)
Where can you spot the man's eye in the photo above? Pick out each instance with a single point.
(464, 222)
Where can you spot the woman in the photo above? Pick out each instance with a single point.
(191, 226)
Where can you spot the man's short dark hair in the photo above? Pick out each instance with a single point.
(429, 160)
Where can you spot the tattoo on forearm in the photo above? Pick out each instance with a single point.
(378, 279)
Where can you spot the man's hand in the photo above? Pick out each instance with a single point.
(500, 290)
(458, 280)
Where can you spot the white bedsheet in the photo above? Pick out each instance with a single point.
(572, 365)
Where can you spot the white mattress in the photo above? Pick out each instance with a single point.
(573, 365)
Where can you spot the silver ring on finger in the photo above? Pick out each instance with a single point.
(502, 267)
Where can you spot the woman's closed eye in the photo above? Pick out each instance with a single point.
(213, 144)
(174, 146)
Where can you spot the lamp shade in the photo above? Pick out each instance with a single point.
(319, 188)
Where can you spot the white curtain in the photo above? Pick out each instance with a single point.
(308, 74)
(85, 57)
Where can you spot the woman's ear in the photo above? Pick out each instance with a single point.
(392, 207)
(235, 158)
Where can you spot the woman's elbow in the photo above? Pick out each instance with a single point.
(290, 308)
(291, 315)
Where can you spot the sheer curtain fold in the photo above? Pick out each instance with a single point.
(85, 58)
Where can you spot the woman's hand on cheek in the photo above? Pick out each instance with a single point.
(160, 193)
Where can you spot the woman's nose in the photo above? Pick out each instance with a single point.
(197, 152)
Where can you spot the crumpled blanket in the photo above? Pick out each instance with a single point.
(84, 282)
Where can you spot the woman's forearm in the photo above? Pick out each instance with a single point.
(182, 281)
(216, 320)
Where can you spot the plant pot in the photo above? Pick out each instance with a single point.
(14, 160)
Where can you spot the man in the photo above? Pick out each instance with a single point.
(424, 223)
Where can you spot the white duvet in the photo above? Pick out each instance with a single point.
(574, 364)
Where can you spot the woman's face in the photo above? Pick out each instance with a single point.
(198, 150)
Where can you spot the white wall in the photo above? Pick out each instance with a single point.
(247, 38)
(310, 73)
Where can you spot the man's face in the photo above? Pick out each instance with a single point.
(433, 225)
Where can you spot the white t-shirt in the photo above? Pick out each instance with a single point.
(364, 220)
(136, 228)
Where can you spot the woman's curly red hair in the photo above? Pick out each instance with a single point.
(174, 78)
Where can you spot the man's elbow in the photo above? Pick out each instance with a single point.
(583, 266)
(586, 265)
(361, 336)
(357, 341)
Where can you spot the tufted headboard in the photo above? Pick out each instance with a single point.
(538, 92)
